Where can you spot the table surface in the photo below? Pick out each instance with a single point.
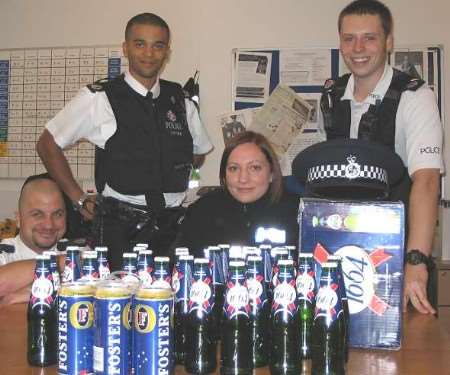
(425, 349)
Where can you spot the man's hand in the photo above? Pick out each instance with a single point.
(89, 206)
(198, 160)
(415, 289)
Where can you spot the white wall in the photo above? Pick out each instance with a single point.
(203, 34)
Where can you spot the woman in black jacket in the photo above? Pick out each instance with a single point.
(251, 196)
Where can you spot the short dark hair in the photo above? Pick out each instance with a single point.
(146, 19)
(372, 7)
(41, 177)
(276, 186)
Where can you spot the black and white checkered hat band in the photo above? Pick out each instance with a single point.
(347, 171)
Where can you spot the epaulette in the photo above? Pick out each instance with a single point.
(414, 84)
(329, 84)
(4, 248)
(98, 86)
(188, 98)
(402, 81)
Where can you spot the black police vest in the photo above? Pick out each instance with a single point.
(152, 148)
(376, 125)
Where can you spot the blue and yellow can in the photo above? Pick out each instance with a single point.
(112, 322)
(153, 331)
(75, 328)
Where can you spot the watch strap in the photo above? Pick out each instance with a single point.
(415, 257)
(79, 204)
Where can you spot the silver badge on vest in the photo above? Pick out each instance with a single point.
(172, 125)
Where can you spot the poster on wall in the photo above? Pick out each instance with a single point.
(252, 77)
(304, 67)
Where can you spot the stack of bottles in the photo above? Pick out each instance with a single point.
(266, 306)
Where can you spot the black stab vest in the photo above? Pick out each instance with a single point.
(377, 124)
(152, 148)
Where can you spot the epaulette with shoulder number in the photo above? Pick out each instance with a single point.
(328, 85)
(4, 248)
(98, 86)
(402, 82)
(336, 86)
(414, 84)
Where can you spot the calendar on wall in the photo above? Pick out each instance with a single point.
(35, 84)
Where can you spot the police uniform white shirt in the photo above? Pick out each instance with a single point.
(90, 116)
(21, 251)
(418, 128)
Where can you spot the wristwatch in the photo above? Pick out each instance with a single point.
(415, 257)
(79, 204)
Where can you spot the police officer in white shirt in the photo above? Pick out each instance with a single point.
(147, 137)
(381, 104)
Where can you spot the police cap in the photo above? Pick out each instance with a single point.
(348, 169)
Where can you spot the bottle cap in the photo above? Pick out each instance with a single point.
(254, 258)
(89, 255)
(201, 261)
(144, 245)
(181, 250)
(145, 252)
(286, 262)
(329, 265)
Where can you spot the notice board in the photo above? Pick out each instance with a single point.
(35, 83)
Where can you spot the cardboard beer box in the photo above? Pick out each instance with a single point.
(369, 237)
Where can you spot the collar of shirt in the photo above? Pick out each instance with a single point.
(140, 88)
(22, 245)
(377, 94)
(20, 249)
